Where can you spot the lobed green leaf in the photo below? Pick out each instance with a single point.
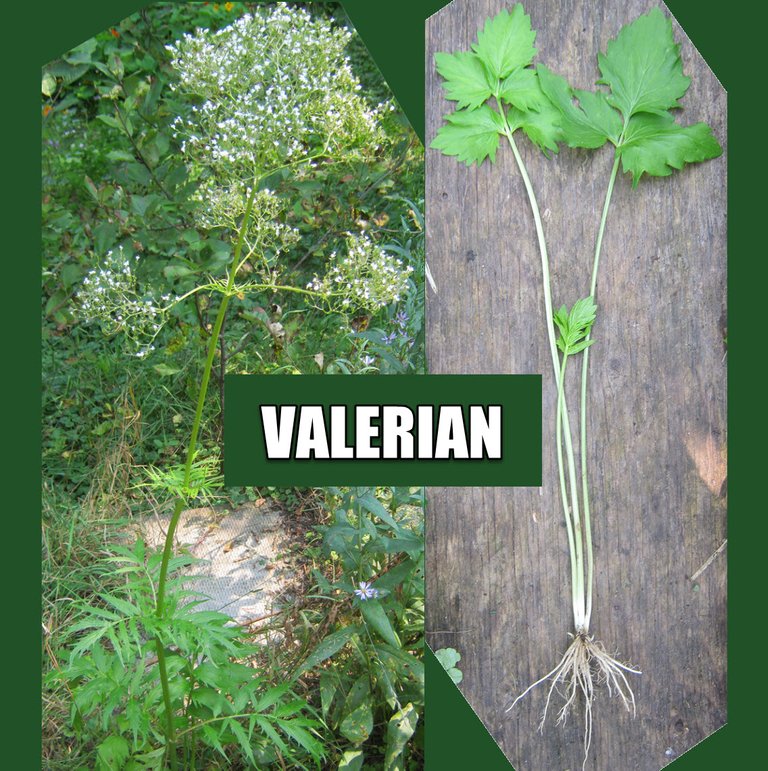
(506, 42)
(642, 67)
(523, 90)
(656, 145)
(590, 123)
(466, 80)
(471, 135)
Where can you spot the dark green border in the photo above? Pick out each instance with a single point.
(731, 39)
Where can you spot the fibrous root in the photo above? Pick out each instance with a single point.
(585, 665)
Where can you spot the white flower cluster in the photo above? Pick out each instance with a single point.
(110, 296)
(266, 234)
(367, 278)
(272, 87)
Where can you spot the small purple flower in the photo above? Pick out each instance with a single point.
(368, 360)
(366, 591)
(401, 319)
(389, 339)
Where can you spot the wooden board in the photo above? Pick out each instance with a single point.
(497, 559)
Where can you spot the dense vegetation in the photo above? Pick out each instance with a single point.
(346, 687)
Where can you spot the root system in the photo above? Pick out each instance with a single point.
(585, 665)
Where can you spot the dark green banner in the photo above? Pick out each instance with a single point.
(320, 430)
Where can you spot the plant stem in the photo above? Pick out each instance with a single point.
(577, 591)
(564, 437)
(583, 404)
(576, 602)
(191, 450)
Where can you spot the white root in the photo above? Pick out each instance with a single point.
(585, 664)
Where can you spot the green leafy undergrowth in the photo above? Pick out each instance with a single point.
(222, 705)
(369, 666)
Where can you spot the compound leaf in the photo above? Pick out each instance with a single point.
(575, 325)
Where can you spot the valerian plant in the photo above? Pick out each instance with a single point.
(271, 95)
(643, 72)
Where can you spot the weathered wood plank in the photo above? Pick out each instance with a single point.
(497, 559)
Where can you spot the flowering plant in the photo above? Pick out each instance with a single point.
(270, 95)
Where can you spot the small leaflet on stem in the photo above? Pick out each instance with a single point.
(575, 325)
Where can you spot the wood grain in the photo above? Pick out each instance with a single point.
(497, 559)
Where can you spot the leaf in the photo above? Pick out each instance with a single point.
(541, 126)
(358, 721)
(522, 90)
(332, 644)
(68, 73)
(120, 155)
(588, 124)
(397, 575)
(242, 739)
(270, 731)
(449, 658)
(104, 236)
(166, 370)
(376, 616)
(112, 753)
(48, 84)
(125, 607)
(70, 275)
(575, 325)
(506, 42)
(656, 145)
(642, 67)
(111, 121)
(582, 314)
(374, 506)
(466, 80)
(400, 729)
(329, 685)
(302, 737)
(351, 760)
(211, 698)
(471, 135)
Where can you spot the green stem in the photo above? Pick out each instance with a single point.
(562, 414)
(577, 554)
(575, 601)
(191, 450)
(583, 404)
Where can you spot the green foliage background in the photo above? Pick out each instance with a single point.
(113, 176)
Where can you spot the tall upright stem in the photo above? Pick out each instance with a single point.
(191, 450)
(583, 404)
(571, 521)
(577, 577)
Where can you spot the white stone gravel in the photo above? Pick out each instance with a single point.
(244, 572)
